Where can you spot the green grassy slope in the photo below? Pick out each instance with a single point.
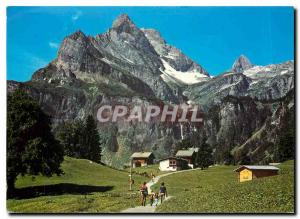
(216, 190)
(85, 187)
(147, 170)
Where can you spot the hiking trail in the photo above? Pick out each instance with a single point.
(148, 208)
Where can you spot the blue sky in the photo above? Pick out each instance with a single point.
(212, 36)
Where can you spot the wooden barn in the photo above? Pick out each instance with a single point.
(140, 159)
(173, 164)
(188, 155)
(247, 172)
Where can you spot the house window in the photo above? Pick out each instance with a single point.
(172, 162)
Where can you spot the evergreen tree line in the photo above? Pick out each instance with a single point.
(81, 139)
(285, 144)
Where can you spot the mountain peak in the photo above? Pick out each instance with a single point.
(241, 64)
(77, 35)
(123, 24)
(153, 35)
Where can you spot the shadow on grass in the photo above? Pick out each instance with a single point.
(56, 189)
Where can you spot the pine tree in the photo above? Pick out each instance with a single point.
(31, 146)
(70, 134)
(204, 156)
(81, 139)
(286, 146)
(90, 147)
(185, 144)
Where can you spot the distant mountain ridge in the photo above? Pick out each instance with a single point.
(262, 82)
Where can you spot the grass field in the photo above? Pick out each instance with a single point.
(85, 187)
(216, 190)
(147, 170)
(93, 188)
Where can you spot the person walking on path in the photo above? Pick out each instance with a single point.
(144, 193)
(152, 176)
(151, 198)
(163, 192)
(156, 199)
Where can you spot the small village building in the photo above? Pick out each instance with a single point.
(140, 159)
(194, 149)
(188, 155)
(247, 172)
(274, 164)
(173, 164)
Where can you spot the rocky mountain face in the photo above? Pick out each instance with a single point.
(262, 82)
(241, 64)
(176, 64)
(271, 81)
(130, 66)
(243, 127)
(260, 147)
(245, 111)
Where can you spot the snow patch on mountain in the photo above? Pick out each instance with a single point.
(188, 77)
(224, 87)
(229, 73)
(258, 72)
(284, 72)
(253, 71)
(106, 61)
(128, 60)
(253, 82)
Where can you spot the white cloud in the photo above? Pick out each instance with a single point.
(76, 15)
(53, 45)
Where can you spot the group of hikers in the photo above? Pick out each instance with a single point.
(154, 196)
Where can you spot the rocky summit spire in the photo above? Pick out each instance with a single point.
(123, 24)
(77, 35)
(241, 64)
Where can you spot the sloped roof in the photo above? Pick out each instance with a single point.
(194, 149)
(176, 158)
(257, 167)
(141, 154)
(185, 153)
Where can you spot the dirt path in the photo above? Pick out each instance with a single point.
(144, 209)
(148, 208)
